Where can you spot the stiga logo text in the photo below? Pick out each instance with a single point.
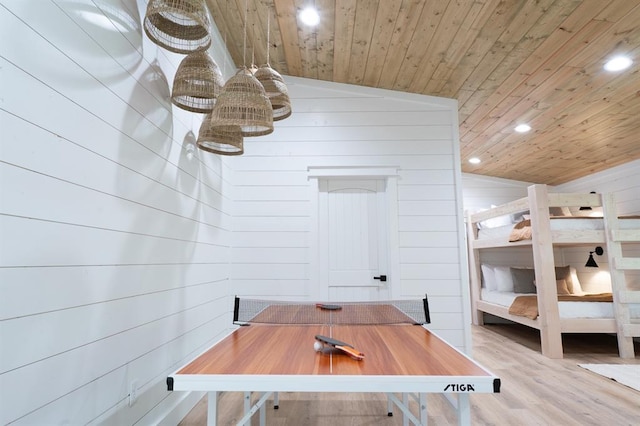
(459, 387)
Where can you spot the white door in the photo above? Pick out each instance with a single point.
(354, 243)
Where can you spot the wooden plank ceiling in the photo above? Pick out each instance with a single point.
(506, 62)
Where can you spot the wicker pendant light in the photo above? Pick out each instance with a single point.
(276, 90)
(197, 83)
(243, 103)
(274, 85)
(223, 141)
(181, 26)
(281, 106)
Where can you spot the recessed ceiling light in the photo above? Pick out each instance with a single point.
(618, 63)
(522, 128)
(310, 16)
(474, 160)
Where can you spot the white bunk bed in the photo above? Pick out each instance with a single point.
(542, 231)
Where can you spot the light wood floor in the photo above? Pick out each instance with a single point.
(535, 390)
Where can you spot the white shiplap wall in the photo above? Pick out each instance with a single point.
(336, 125)
(115, 257)
(623, 181)
(482, 192)
(114, 240)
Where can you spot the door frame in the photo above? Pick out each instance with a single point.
(318, 288)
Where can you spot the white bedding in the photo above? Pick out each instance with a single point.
(566, 309)
(561, 224)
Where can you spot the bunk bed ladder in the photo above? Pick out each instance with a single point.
(623, 296)
(475, 277)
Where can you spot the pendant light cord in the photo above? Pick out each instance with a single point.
(244, 41)
(268, 34)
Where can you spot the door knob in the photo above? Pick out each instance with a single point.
(381, 278)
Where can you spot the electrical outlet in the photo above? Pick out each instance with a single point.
(133, 392)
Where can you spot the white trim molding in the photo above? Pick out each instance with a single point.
(352, 172)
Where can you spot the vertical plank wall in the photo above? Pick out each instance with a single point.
(336, 125)
(114, 239)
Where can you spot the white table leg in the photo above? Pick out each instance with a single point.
(423, 409)
(263, 416)
(403, 405)
(247, 404)
(405, 402)
(464, 409)
(212, 408)
(252, 409)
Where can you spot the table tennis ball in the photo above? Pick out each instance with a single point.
(317, 346)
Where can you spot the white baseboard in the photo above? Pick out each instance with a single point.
(172, 414)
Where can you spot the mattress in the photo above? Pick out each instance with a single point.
(564, 223)
(565, 309)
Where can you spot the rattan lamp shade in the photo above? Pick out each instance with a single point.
(276, 90)
(181, 26)
(197, 83)
(271, 80)
(281, 106)
(217, 140)
(243, 103)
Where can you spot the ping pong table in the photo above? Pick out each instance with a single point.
(273, 355)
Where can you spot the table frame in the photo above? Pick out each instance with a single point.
(461, 405)
(266, 384)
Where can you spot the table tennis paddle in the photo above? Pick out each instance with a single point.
(342, 346)
(328, 307)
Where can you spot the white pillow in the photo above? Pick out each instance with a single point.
(577, 288)
(504, 280)
(495, 222)
(488, 277)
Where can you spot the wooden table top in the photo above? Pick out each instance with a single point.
(390, 350)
